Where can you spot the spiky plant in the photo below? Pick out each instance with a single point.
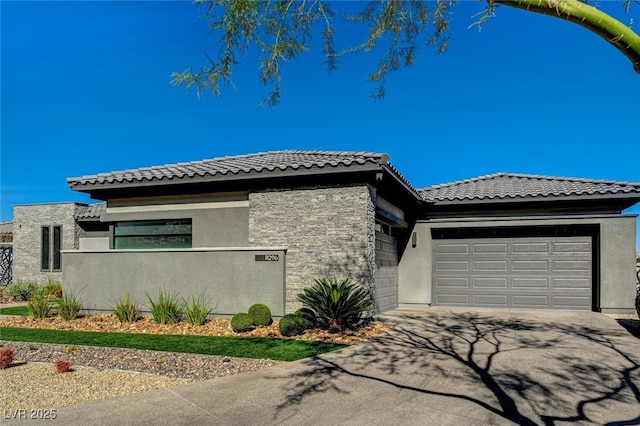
(338, 304)
(197, 310)
(69, 306)
(126, 310)
(166, 308)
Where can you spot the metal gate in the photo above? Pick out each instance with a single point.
(6, 265)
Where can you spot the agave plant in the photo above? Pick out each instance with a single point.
(338, 304)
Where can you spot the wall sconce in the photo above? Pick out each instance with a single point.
(414, 240)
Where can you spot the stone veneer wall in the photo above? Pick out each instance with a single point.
(28, 221)
(329, 232)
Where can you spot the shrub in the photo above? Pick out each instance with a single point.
(52, 288)
(308, 316)
(40, 293)
(63, 366)
(69, 306)
(165, 309)
(6, 357)
(13, 292)
(260, 315)
(338, 304)
(197, 310)
(241, 322)
(71, 349)
(638, 304)
(291, 325)
(21, 291)
(125, 310)
(39, 308)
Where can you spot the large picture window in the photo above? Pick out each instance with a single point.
(50, 252)
(150, 234)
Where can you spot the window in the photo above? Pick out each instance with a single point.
(51, 248)
(175, 233)
(45, 253)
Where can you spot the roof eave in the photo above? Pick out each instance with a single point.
(220, 177)
(402, 181)
(547, 198)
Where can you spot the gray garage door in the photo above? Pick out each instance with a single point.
(542, 273)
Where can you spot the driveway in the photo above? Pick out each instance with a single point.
(437, 366)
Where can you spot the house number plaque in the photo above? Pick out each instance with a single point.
(267, 257)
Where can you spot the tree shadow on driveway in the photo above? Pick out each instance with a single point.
(499, 367)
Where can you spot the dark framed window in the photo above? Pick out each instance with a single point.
(51, 248)
(57, 248)
(150, 234)
(45, 252)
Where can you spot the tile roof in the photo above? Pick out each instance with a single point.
(91, 211)
(510, 186)
(256, 164)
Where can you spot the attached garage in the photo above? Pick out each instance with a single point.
(522, 242)
(538, 272)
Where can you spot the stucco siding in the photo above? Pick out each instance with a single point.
(231, 280)
(617, 258)
(329, 232)
(214, 224)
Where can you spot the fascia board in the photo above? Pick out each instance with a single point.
(229, 177)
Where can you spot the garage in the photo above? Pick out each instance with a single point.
(518, 241)
(525, 272)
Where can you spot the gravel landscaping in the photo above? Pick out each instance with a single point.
(32, 382)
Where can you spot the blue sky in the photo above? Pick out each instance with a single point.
(85, 88)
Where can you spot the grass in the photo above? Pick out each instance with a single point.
(244, 347)
(16, 310)
(24, 310)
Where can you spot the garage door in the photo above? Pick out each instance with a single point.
(539, 273)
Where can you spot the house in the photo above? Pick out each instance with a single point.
(261, 227)
(55, 227)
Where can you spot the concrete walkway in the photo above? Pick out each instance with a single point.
(436, 367)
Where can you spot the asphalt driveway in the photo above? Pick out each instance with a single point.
(438, 366)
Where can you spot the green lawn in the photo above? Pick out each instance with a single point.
(16, 310)
(245, 347)
(23, 310)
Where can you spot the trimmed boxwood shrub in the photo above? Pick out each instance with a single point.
(241, 322)
(308, 317)
(291, 325)
(260, 315)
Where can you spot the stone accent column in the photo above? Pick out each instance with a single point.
(329, 232)
(28, 221)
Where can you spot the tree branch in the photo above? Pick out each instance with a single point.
(598, 22)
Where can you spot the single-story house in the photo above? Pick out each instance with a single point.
(261, 227)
